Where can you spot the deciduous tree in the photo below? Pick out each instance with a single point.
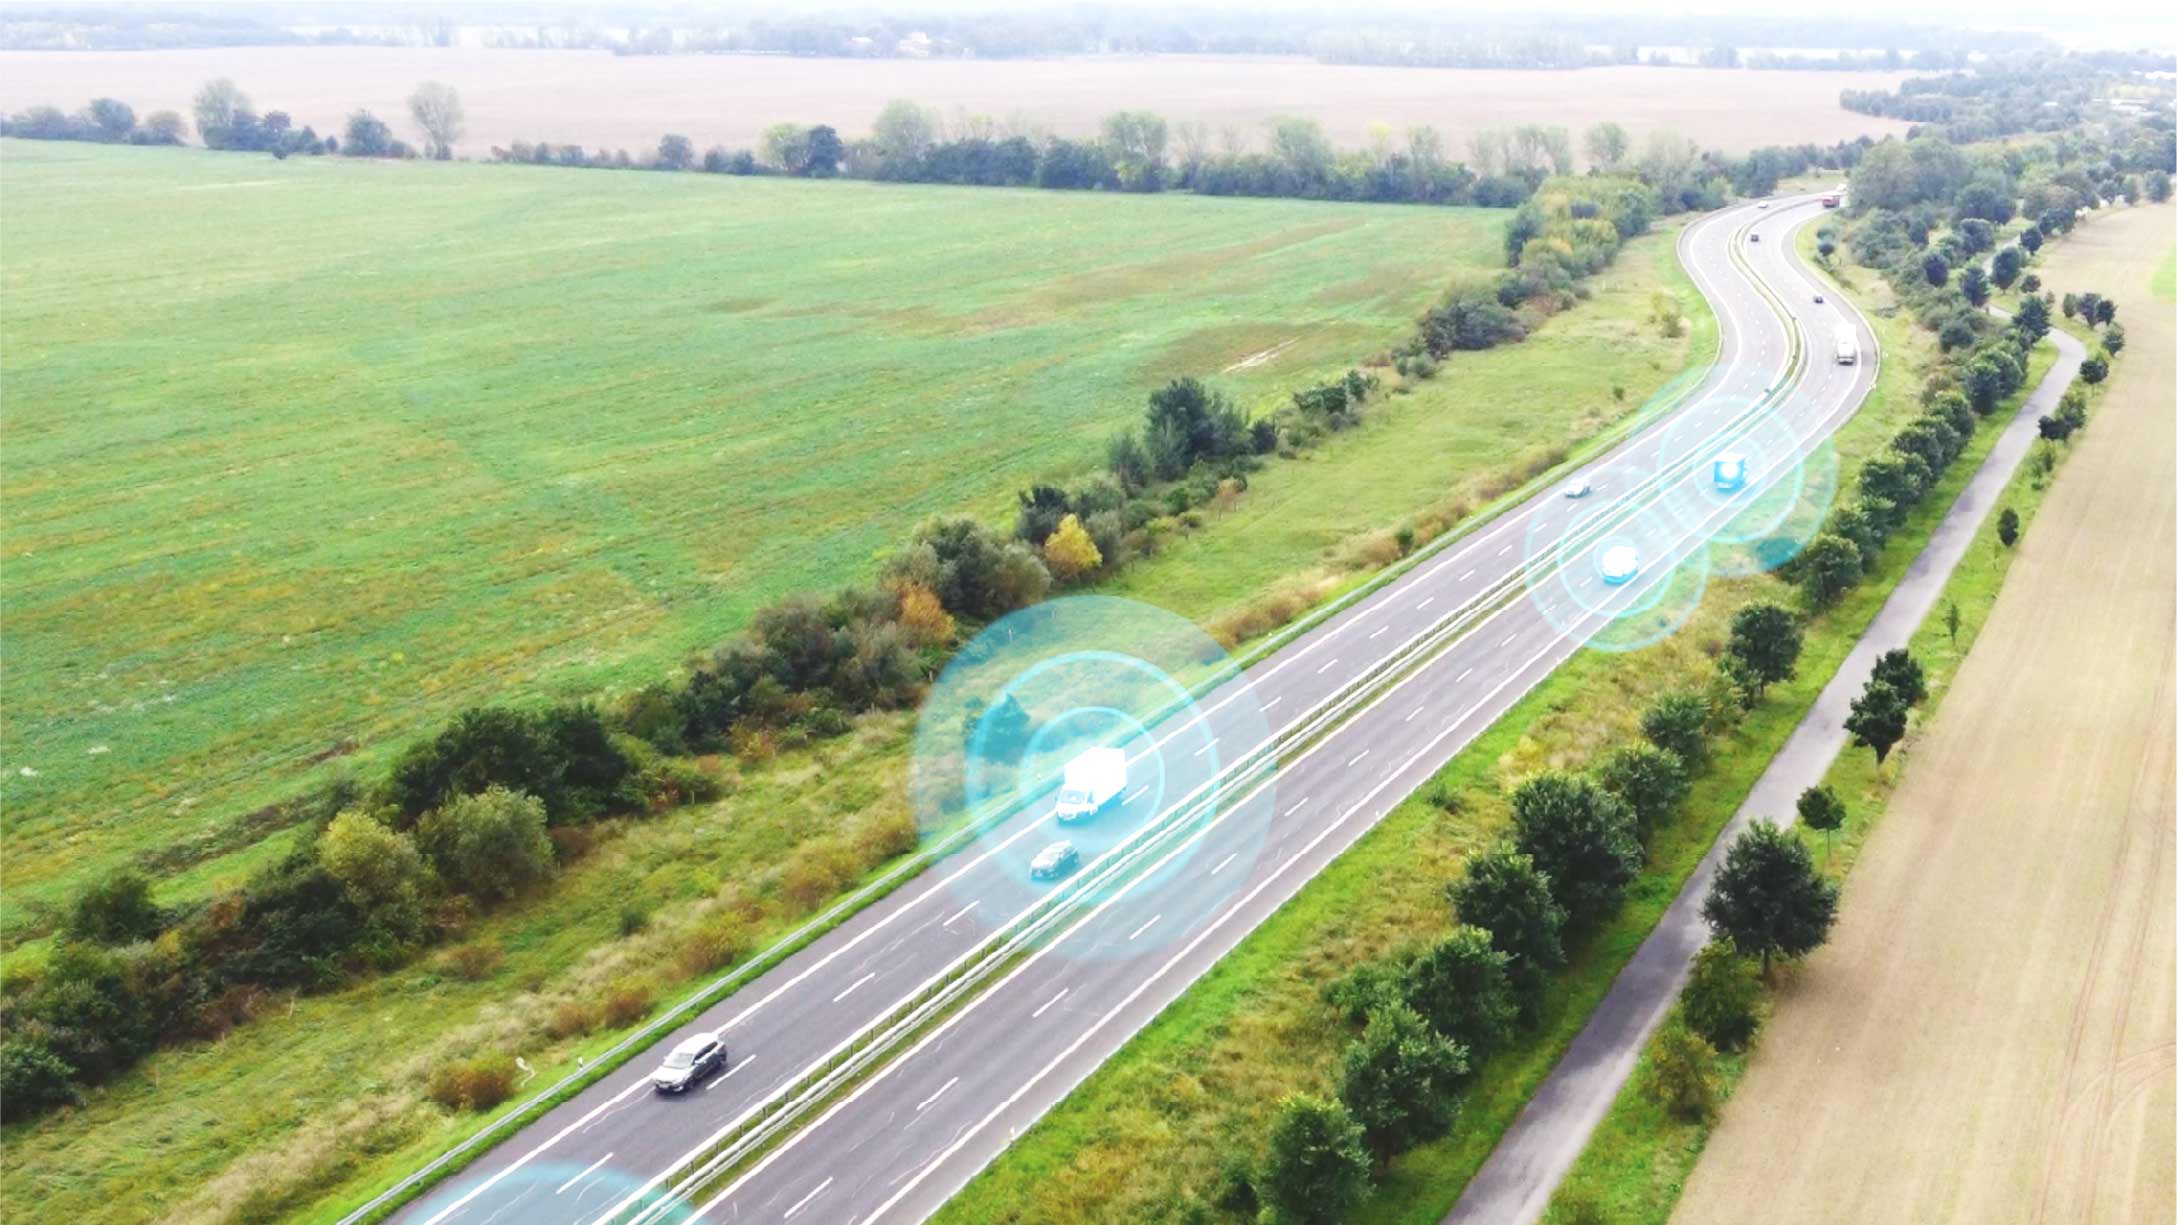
(1767, 898)
(1316, 1167)
(1400, 1080)
(436, 109)
(1820, 809)
(1581, 837)
(1765, 638)
(1504, 894)
(490, 846)
(1069, 552)
(1722, 999)
(1878, 718)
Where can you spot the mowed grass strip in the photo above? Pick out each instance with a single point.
(302, 456)
(1144, 1137)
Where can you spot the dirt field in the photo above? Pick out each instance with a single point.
(1991, 1035)
(594, 98)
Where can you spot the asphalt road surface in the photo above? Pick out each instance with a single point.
(913, 1132)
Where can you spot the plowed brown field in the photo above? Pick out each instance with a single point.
(1991, 1035)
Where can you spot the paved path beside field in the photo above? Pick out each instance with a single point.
(1514, 1186)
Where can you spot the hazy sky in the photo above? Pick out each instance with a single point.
(2135, 22)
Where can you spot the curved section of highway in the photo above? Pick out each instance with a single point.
(1444, 650)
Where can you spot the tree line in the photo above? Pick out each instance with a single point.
(2007, 95)
(1140, 151)
(1135, 151)
(1926, 208)
(226, 119)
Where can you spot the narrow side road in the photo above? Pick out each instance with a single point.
(1514, 1186)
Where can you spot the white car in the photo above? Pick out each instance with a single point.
(1578, 489)
(1619, 563)
(691, 1061)
(1763, 204)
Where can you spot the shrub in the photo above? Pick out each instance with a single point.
(1578, 1208)
(1232, 1189)
(572, 1018)
(713, 944)
(490, 845)
(1469, 319)
(1651, 781)
(1677, 722)
(1683, 1073)
(33, 1080)
(475, 961)
(634, 917)
(669, 782)
(1722, 999)
(474, 1084)
(1581, 837)
(1367, 987)
(115, 909)
(1316, 1167)
(626, 1002)
(816, 874)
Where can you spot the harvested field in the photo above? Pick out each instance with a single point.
(1991, 1035)
(595, 98)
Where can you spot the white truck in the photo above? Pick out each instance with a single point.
(1848, 348)
(1092, 780)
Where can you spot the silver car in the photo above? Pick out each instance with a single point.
(691, 1061)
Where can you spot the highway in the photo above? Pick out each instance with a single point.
(916, 1129)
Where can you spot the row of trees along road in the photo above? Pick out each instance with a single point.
(1426, 1020)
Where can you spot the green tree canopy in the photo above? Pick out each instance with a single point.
(1316, 1166)
(1400, 1080)
(1767, 898)
(1581, 837)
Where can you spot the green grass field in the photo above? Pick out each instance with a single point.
(319, 1100)
(302, 456)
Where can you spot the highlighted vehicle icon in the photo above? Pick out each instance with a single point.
(1729, 473)
(1618, 564)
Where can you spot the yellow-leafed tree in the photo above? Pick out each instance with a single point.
(1071, 552)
